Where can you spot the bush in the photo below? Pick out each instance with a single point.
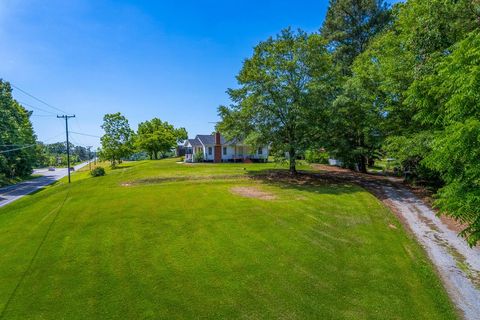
(198, 157)
(98, 172)
(316, 156)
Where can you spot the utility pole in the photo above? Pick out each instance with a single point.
(66, 117)
(89, 157)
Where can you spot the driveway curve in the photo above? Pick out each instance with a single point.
(457, 264)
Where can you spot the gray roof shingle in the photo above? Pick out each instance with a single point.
(195, 142)
(209, 139)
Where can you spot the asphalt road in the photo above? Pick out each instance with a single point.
(16, 191)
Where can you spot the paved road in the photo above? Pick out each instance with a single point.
(16, 191)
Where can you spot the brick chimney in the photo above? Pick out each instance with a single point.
(217, 155)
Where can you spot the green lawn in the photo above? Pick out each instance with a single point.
(157, 239)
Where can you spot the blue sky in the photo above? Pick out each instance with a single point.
(167, 59)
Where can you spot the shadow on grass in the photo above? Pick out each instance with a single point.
(122, 166)
(302, 181)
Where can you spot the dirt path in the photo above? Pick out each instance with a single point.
(457, 263)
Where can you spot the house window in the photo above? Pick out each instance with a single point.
(224, 151)
(260, 150)
(209, 151)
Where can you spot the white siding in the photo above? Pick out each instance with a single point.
(209, 157)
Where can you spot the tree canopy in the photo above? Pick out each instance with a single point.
(284, 88)
(117, 142)
(349, 26)
(17, 138)
(156, 137)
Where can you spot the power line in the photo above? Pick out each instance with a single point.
(38, 99)
(84, 134)
(16, 149)
(24, 146)
(40, 109)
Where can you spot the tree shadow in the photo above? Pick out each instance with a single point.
(122, 166)
(303, 181)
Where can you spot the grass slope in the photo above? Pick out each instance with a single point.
(157, 239)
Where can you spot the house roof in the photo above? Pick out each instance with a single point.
(195, 142)
(209, 139)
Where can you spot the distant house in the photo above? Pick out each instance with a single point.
(214, 148)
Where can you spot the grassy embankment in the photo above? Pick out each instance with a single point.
(157, 239)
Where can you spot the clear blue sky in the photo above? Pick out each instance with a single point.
(167, 59)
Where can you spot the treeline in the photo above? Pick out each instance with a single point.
(399, 81)
(155, 137)
(17, 138)
(55, 154)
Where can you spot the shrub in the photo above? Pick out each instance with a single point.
(98, 172)
(198, 157)
(316, 156)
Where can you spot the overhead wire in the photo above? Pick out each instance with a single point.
(84, 134)
(37, 99)
(27, 145)
(34, 107)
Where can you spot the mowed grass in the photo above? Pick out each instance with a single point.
(157, 239)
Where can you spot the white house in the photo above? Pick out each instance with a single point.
(214, 148)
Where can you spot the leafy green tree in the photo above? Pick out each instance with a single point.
(451, 106)
(379, 100)
(284, 88)
(117, 142)
(156, 137)
(354, 136)
(17, 138)
(349, 26)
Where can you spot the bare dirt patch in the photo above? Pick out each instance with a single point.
(253, 192)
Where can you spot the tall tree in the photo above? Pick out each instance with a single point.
(17, 138)
(452, 107)
(156, 136)
(349, 26)
(284, 88)
(405, 54)
(117, 142)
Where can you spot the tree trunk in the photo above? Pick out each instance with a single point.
(293, 162)
(362, 164)
(155, 155)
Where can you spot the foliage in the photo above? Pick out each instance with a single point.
(199, 157)
(55, 154)
(17, 138)
(117, 142)
(452, 106)
(354, 134)
(316, 156)
(284, 89)
(156, 137)
(349, 26)
(98, 172)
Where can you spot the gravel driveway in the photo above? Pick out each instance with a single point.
(457, 263)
